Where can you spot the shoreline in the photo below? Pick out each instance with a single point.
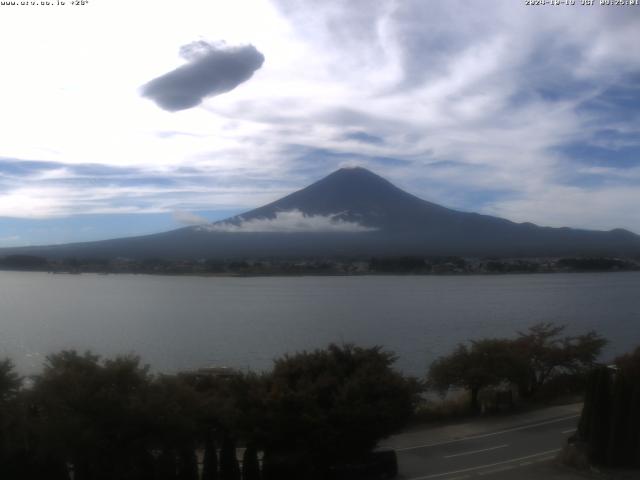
(309, 274)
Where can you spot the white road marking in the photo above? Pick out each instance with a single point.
(475, 451)
(540, 460)
(484, 435)
(497, 470)
(481, 467)
(571, 430)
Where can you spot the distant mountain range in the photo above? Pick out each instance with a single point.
(353, 213)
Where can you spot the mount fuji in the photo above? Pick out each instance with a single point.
(356, 213)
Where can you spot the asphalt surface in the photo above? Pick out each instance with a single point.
(515, 447)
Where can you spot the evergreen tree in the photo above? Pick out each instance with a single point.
(610, 421)
(188, 464)
(210, 462)
(619, 443)
(167, 465)
(601, 417)
(634, 426)
(229, 468)
(250, 464)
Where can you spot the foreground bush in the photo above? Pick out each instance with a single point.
(111, 419)
(609, 428)
(332, 406)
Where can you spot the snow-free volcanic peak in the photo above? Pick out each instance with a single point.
(354, 213)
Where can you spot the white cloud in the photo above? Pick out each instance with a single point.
(188, 218)
(293, 221)
(10, 240)
(603, 208)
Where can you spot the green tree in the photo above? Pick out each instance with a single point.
(210, 461)
(13, 432)
(595, 420)
(630, 363)
(546, 353)
(627, 433)
(167, 466)
(250, 464)
(229, 410)
(229, 468)
(330, 406)
(10, 381)
(93, 414)
(188, 463)
(172, 418)
(530, 361)
(609, 426)
(484, 363)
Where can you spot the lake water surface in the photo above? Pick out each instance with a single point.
(177, 323)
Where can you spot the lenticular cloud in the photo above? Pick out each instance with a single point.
(212, 69)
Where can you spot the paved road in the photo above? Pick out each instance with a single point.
(485, 449)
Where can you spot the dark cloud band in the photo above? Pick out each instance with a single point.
(212, 70)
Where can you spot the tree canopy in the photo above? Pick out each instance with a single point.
(528, 361)
(331, 405)
(546, 353)
(111, 419)
(10, 381)
(609, 427)
(94, 413)
(482, 364)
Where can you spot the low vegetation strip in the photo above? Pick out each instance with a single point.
(404, 265)
(315, 415)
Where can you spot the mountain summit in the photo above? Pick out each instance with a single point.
(354, 212)
(357, 195)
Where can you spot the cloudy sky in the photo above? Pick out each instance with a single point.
(128, 117)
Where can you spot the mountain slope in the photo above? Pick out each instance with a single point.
(359, 195)
(353, 212)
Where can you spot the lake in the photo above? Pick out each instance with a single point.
(177, 323)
